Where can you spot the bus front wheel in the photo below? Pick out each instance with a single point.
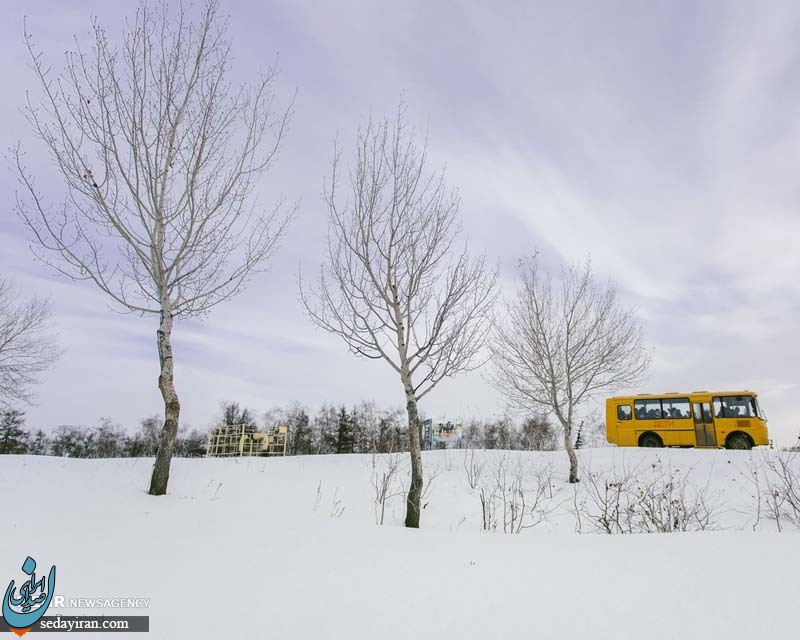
(738, 441)
(650, 440)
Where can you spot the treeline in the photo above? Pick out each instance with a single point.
(106, 440)
(363, 428)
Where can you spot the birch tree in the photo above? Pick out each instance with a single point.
(27, 344)
(396, 285)
(159, 155)
(561, 343)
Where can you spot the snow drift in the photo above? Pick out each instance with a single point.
(290, 548)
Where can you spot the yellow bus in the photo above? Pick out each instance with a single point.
(731, 419)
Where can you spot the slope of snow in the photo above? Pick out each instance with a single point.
(289, 548)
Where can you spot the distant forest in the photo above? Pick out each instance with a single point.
(333, 429)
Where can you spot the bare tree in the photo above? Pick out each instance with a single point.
(395, 286)
(515, 493)
(27, 344)
(537, 434)
(233, 415)
(651, 498)
(559, 344)
(780, 492)
(384, 472)
(160, 156)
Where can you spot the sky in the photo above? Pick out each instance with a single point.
(660, 139)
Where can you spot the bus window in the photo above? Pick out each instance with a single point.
(648, 409)
(624, 412)
(735, 407)
(757, 406)
(675, 408)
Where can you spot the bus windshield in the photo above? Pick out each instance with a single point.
(736, 407)
(759, 411)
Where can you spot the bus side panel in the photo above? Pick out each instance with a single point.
(759, 433)
(677, 432)
(754, 427)
(627, 433)
(611, 422)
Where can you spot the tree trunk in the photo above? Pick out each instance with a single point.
(172, 408)
(415, 490)
(573, 459)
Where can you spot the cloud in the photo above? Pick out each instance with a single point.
(661, 140)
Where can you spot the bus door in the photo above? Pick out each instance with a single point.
(704, 424)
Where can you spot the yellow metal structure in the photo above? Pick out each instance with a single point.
(245, 440)
(731, 419)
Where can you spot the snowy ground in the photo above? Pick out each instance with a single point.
(289, 548)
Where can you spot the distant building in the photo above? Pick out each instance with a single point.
(441, 434)
(246, 440)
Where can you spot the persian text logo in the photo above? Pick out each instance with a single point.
(20, 611)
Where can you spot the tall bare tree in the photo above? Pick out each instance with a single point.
(27, 344)
(395, 286)
(160, 156)
(561, 343)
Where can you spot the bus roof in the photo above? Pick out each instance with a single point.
(685, 394)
